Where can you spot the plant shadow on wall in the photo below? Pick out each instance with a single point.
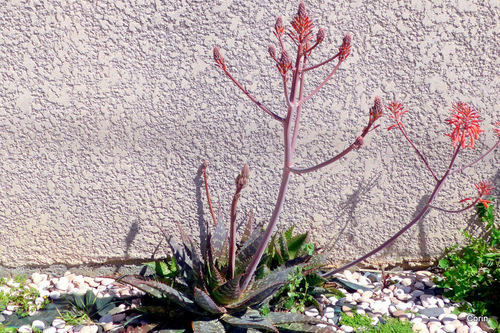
(217, 283)
(348, 212)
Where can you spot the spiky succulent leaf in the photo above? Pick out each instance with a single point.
(247, 251)
(160, 290)
(219, 238)
(349, 286)
(228, 292)
(314, 279)
(280, 318)
(295, 244)
(212, 326)
(215, 278)
(318, 260)
(183, 260)
(255, 296)
(284, 248)
(197, 266)
(289, 232)
(251, 319)
(204, 301)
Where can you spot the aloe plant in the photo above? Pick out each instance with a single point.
(207, 285)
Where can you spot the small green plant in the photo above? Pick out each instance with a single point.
(473, 272)
(362, 323)
(20, 295)
(294, 295)
(6, 329)
(87, 307)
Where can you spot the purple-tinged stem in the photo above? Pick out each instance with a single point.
(321, 63)
(456, 211)
(479, 159)
(299, 108)
(416, 150)
(427, 206)
(320, 85)
(259, 104)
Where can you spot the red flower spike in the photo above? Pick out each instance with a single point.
(284, 63)
(272, 52)
(320, 36)
(484, 188)
(219, 59)
(279, 27)
(465, 121)
(397, 110)
(345, 48)
(376, 110)
(302, 25)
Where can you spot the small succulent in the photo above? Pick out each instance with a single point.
(202, 284)
(202, 288)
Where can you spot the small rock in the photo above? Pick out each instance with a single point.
(55, 294)
(24, 329)
(485, 327)
(38, 324)
(58, 323)
(419, 285)
(50, 329)
(449, 328)
(462, 329)
(44, 284)
(106, 281)
(462, 316)
(77, 280)
(312, 312)
(475, 329)
(347, 329)
(329, 312)
(374, 321)
(419, 328)
(89, 329)
(433, 328)
(406, 282)
(432, 312)
(106, 319)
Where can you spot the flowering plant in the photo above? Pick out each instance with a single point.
(465, 130)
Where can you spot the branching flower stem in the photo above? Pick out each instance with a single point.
(477, 160)
(400, 126)
(259, 104)
(424, 210)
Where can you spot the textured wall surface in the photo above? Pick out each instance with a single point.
(108, 108)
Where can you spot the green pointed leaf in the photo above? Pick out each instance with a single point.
(246, 253)
(212, 326)
(256, 296)
(314, 279)
(295, 244)
(216, 279)
(228, 292)
(251, 319)
(284, 248)
(349, 286)
(182, 260)
(204, 301)
(289, 232)
(160, 290)
(318, 260)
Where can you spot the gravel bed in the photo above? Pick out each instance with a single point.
(412, 296)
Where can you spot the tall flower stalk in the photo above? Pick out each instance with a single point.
(465, 130)
(292, 75)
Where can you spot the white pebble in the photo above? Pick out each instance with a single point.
(38, 324)
(347, 329)
(50, 329)
(55, 294)
(329, 312)
(58, 323)
(106, 282)
(24, 329)
(44, 284)
(312, 312)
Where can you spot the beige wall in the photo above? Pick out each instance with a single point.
(108, 108)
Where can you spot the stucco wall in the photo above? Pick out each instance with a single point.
(108, 108)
